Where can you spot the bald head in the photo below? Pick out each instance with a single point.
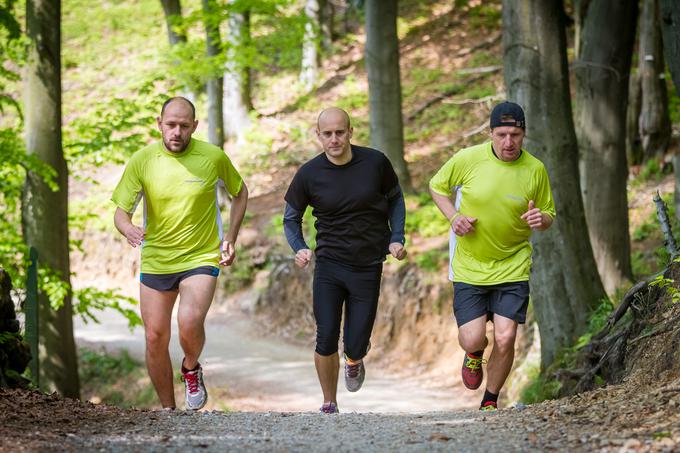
(181, 100)
(332, 114)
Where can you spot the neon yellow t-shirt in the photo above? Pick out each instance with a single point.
(182, 224)
(496, 193)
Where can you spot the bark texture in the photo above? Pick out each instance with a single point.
(602, 73)
(384, 84)
(237, 97)
(214, 85)
(565, 284)
(172, 10)
(45, 212)
(655, 125)
(670, 27)
(309, 72)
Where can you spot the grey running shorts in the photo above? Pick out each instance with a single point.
(509, 300)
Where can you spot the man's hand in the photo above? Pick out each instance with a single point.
(228, 253)
(535, 218)
(303, 257)
(134, 235)
(462, 225)
(397, 250)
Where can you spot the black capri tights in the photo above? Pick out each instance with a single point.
(359, 289)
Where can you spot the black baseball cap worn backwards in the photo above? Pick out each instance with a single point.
(507, 114)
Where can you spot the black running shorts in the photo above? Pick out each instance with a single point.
(509, 300)
(170, 282)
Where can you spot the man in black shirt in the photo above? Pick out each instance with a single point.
(360, 214)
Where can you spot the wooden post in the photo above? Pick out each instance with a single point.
(32, 319)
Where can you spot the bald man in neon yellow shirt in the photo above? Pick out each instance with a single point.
(502, 194)
(182, 241)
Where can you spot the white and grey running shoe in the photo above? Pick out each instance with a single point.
(354, 375)
(195, 394)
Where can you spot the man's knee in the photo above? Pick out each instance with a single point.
(504, 341)
(326, 343)
(157, 338)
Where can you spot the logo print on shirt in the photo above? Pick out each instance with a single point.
(198, 180)
(515, 197)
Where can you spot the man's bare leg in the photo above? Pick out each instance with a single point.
(196, 295)
(327, 368)
(156, 308)
(503, 354)
(472, 335)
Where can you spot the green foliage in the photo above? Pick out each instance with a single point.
(596, 321)
(118, 128)
(432, 260)
(540, 388)
(424, 217)
(667, 285)
(89, 299)
(485, 16)
(118, 380)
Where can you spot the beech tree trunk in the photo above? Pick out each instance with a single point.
(655, 125)
(634, 154)
(670, 27)
(565, 285)
(602, 71)
(237, 96)
(309, 73)
(45, 212)
(384, 85)
(172, 10)
(214, 85)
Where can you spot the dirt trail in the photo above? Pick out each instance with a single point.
(249, 372)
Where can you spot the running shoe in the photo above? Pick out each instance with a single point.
(329, 408)
(195, 394)
(354, 375)
(488, 406)
(472, 372)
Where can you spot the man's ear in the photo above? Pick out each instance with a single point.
(195, 126)
(351, 131)
(159, 120)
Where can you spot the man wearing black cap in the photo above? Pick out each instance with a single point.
(502, 194)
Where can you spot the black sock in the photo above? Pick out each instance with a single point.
(184, 370)
(478, 353)
(488, 396)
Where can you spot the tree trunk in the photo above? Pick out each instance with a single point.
(384, 85)
(634, 155)
(565, 283)
(173, 12)
(670, 26)
(214, 85)
(309, 72)
(237, 99)
(602, 72)
(327, 20)
(45, 212)
(655, 125)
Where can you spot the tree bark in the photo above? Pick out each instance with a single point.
(634, 154)
(327, 20)
(670, 26)
(309, 72)
(384, 85)
(565, 285)
(237, 97)
(173, 11)
(655, 125)
(214, 85)
(45, 212)
(602, 73)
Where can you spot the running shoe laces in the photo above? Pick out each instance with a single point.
(195, 393)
